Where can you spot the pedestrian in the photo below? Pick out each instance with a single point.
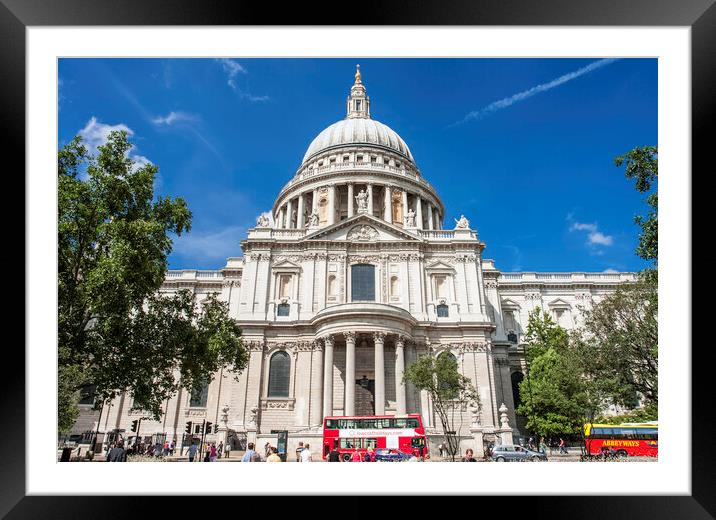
(542, 446)
(171, 448)
(267, 449)
(220, 449)
(356, 457)
(228, 449)
(157, 449)
(306, 455)
(273, 457)
(212, 452)
(249, 452)
(531, 443)
(562, 446)
(468, 456)
(117, 453)
(207, 456)
(334, 455)
(192, 452)
(299, 449)
(166, 448)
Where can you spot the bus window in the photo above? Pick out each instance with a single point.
(401, 423)
(370, 443)
(628, 433)
(417, 442)
(607, 433)
(367, 423)
(412, 423)
(331, 424)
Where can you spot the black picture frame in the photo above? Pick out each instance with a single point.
(699, 15)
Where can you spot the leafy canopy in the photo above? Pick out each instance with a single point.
(114, 329)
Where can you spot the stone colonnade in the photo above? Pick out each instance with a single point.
(292, 214)
(379, 341)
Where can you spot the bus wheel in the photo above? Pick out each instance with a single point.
(621, 453)
(346, 457)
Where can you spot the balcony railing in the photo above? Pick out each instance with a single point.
(567, 277)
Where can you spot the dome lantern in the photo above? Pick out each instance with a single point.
(358, 103)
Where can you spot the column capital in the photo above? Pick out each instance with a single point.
(379, 337)
(400, 341)
(350, 336)
(328, 340)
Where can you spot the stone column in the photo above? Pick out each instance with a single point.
(350, 406)
(315, 413)
(314, 201)
(328, 376)
(350, 200)
(299, 218)
(399, 371)
(289, 211)
(379, 338)
(331, 205)
(370, 199)
(279, 223)
(405, 206)
(431, 224)
(387, 210)
(419, 212)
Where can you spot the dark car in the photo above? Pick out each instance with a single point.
(390, 455)
(512, 452)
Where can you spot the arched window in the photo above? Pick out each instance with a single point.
(447, 363)
(517, 378)
(443, 311)
(283, 309)
(363, 283)
(279, 374)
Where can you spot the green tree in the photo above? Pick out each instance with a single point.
(619, 342)
(553, 393)
(114, 329)
(449, 391)
(642, 164)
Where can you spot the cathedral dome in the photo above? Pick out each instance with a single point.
(358, 131)
(358, 128)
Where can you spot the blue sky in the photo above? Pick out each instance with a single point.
(523, 147)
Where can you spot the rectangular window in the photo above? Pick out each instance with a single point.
(358, 104)
(441, 286)
(363, 283)
(284, 286)
(199, 400)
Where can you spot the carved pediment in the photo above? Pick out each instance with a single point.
(508, 304)
(363, 228)
(559, 303)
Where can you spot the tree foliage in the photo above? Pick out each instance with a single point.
(642, 164)
(449, 391)
(619, 341)
(114, 329)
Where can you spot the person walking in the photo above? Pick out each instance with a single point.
(273, 457)
(192, 452)
(228, 449)
(306, 455)
(212, 452)
(171, 449)
(468, 456)
(562, 446)
(542, 446)
(356, 457)
(220, 449)
(249, 453)
(334, 455)
(267, 450)
(299, 449)
(117, 453)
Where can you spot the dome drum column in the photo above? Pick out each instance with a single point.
(431, 224)
(418, 212)
(388, 210)
(370, 199)
(289, 213)
(350, 200)
(300, 221)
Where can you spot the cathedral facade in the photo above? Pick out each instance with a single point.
(353, 275)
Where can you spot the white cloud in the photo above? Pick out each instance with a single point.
(594, 236)
(174, 117)
(197, 246)
(233, 69)
(601, 239)
(95, 134)
(543, 87)
(610, 270)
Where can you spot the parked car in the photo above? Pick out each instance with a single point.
(391, 455)
(512, 452)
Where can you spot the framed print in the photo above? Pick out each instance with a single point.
(356, 263)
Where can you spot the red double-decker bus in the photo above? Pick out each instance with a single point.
(622, 439)
(358, 433)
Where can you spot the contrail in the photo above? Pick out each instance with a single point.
(508, 101)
